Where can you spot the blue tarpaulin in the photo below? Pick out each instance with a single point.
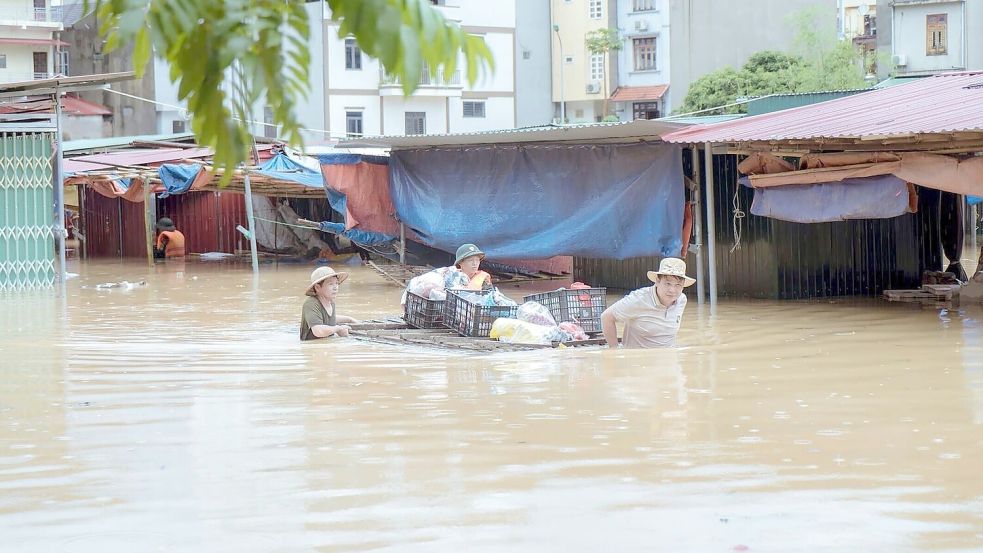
(177, 179)
(281, 166)
(532, 202)
(360, 237)
(879, 197)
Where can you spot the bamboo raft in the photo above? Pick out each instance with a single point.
(395, 331)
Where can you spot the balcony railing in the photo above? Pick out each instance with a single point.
(428, 77)
(20, 77)
(30, 13)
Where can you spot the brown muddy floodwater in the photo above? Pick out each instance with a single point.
(185, 416)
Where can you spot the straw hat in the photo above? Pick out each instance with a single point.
(323, 273)
(672, 266)
(466, 251)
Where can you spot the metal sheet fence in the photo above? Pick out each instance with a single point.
(27, 245)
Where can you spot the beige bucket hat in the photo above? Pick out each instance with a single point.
(323, 273)
(672, 266)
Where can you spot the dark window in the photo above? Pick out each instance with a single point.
(416, 122)
(177, 126)
(353, 54)
(40, 65)
(935, 34)
(474, 109)
(3, 61)
(644, 53)
(269, 129)
(646, 110)
(353, 123)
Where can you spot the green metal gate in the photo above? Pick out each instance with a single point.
(27, 245)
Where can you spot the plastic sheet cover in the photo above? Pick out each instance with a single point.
(880, 197)
(177, 179)
(533, 202)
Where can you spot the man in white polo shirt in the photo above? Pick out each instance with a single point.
(651, 315)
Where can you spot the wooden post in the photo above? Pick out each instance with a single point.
(711, 229)
(149, 221)
(402, 243)
(251, 222)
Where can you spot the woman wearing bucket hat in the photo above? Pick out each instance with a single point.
(170, 241)
(651, 315)
(319, 318)
(468, 260)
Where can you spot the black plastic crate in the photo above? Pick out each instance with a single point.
(423, 313)
(583, 306)
(471, 319)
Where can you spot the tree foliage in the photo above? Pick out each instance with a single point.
(819, 62)
(602, 41)
(225, 55)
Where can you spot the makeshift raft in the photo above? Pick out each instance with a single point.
(393, 330)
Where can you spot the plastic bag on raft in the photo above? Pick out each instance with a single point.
(425, 284)
(536, 313)
(574, 330)
(514, 331)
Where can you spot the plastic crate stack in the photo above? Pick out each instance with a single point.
(581, 306)
(471, 319)
(422, 312)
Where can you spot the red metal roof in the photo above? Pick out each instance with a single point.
(70, 105)
(639, 93)
(946, 103)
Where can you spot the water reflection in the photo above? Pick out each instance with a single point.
(185, 415)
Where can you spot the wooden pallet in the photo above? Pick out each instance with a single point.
(927, 293)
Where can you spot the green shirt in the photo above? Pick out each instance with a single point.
(313, 314)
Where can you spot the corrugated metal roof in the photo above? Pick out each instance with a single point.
(626, 131)
(778, 102)
(946, 103)
(120, 141)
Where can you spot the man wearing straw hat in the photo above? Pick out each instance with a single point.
(319, 318)
(651, 315)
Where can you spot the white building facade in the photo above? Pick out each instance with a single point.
(360, 99)
(643, 61)
(28, 49)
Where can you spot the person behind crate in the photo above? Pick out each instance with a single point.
(170, 241)
(651, 315)
(319, 318)
(468, 260)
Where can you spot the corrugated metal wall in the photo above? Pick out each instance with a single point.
(782, 260)
(778, 259)
(113, 227)
(208, 220)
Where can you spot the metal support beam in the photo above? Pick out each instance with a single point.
(59, 181)
(698, 228)
(711, 229)
(252, 223)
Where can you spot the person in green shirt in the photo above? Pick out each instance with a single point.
(319, 318)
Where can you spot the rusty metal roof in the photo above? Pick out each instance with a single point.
(639, 93)
(941, 104)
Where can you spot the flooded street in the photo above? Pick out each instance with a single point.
(184, 415)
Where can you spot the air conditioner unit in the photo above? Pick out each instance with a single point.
(593, 88)
(641, 25)
(900, 60)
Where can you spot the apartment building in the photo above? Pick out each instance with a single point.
(29, 47)
(923, 37)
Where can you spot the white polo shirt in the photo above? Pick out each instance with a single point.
(648, 323)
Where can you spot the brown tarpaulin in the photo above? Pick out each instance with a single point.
(929, 170)
(366, 186)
